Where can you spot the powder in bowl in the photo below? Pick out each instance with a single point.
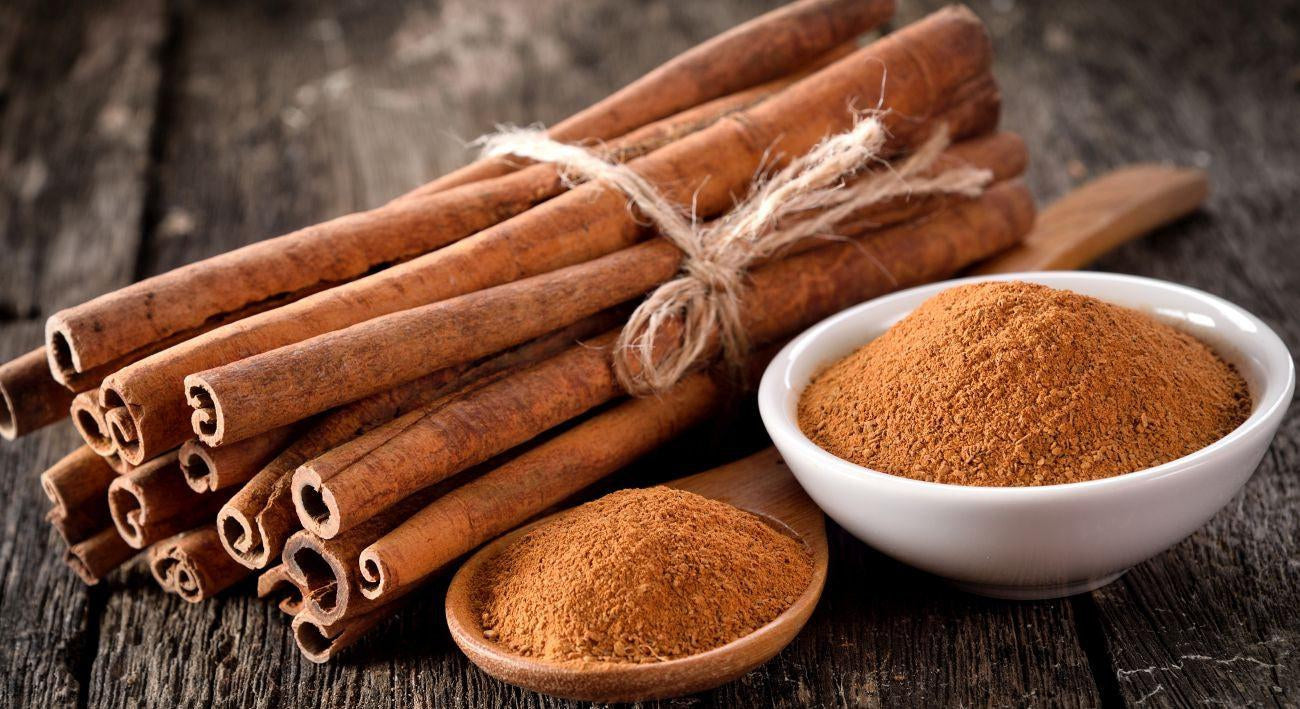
(640, 576)
(1014, 384)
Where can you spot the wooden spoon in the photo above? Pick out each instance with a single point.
(761, 484)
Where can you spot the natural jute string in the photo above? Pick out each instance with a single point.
(807, 198)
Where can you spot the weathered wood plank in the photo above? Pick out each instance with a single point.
(46, 614)
(13, 19)
(242, 157)
(73, 150)
(1213, 620)
(280, 118)
(78, 84)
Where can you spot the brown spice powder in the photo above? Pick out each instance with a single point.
(1011, 384)
(640, 576)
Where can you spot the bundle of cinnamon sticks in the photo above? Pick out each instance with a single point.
(347, 409)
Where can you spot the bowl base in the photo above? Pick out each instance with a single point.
(1036, 593)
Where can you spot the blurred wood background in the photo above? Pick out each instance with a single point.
(139, 135)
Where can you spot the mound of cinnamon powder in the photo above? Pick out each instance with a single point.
(1009, 383)
(640, 576)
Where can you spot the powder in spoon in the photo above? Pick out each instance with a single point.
(640, 576)
(1012, 384)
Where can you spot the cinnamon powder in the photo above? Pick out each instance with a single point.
(1011, 384)
(640, 576)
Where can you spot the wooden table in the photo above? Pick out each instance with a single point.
(136, 136)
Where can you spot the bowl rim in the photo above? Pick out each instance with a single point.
(784, 431)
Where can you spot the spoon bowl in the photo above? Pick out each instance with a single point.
(760, 484)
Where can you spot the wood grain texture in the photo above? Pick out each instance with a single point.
(240, 158)
(79, 86)
(74, 138)
(1213, 619)
(276, 115)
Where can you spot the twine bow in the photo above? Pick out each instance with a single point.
(808, 198)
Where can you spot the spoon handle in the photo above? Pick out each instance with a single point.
(1102, 214)
(760, 483)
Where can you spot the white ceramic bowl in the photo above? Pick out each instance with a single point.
(1035, 542)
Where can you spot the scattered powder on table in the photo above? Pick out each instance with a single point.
(1012, 384)
(640, 576)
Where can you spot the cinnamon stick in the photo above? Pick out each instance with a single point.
(193, 564)
(99, 554)
(121, 428)
(96, 320)
(927, 61)
(320, 641)
(207, 469)
(329, 573)
(652, 136)
(121, 327)
(258, 519)
(789, 37)
(29, 396)
(153, 502)
(119, 464)
(276, 582)
(88, 419)
(77, 486)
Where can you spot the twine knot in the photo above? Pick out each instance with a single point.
(712, 274)
(687, 319)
